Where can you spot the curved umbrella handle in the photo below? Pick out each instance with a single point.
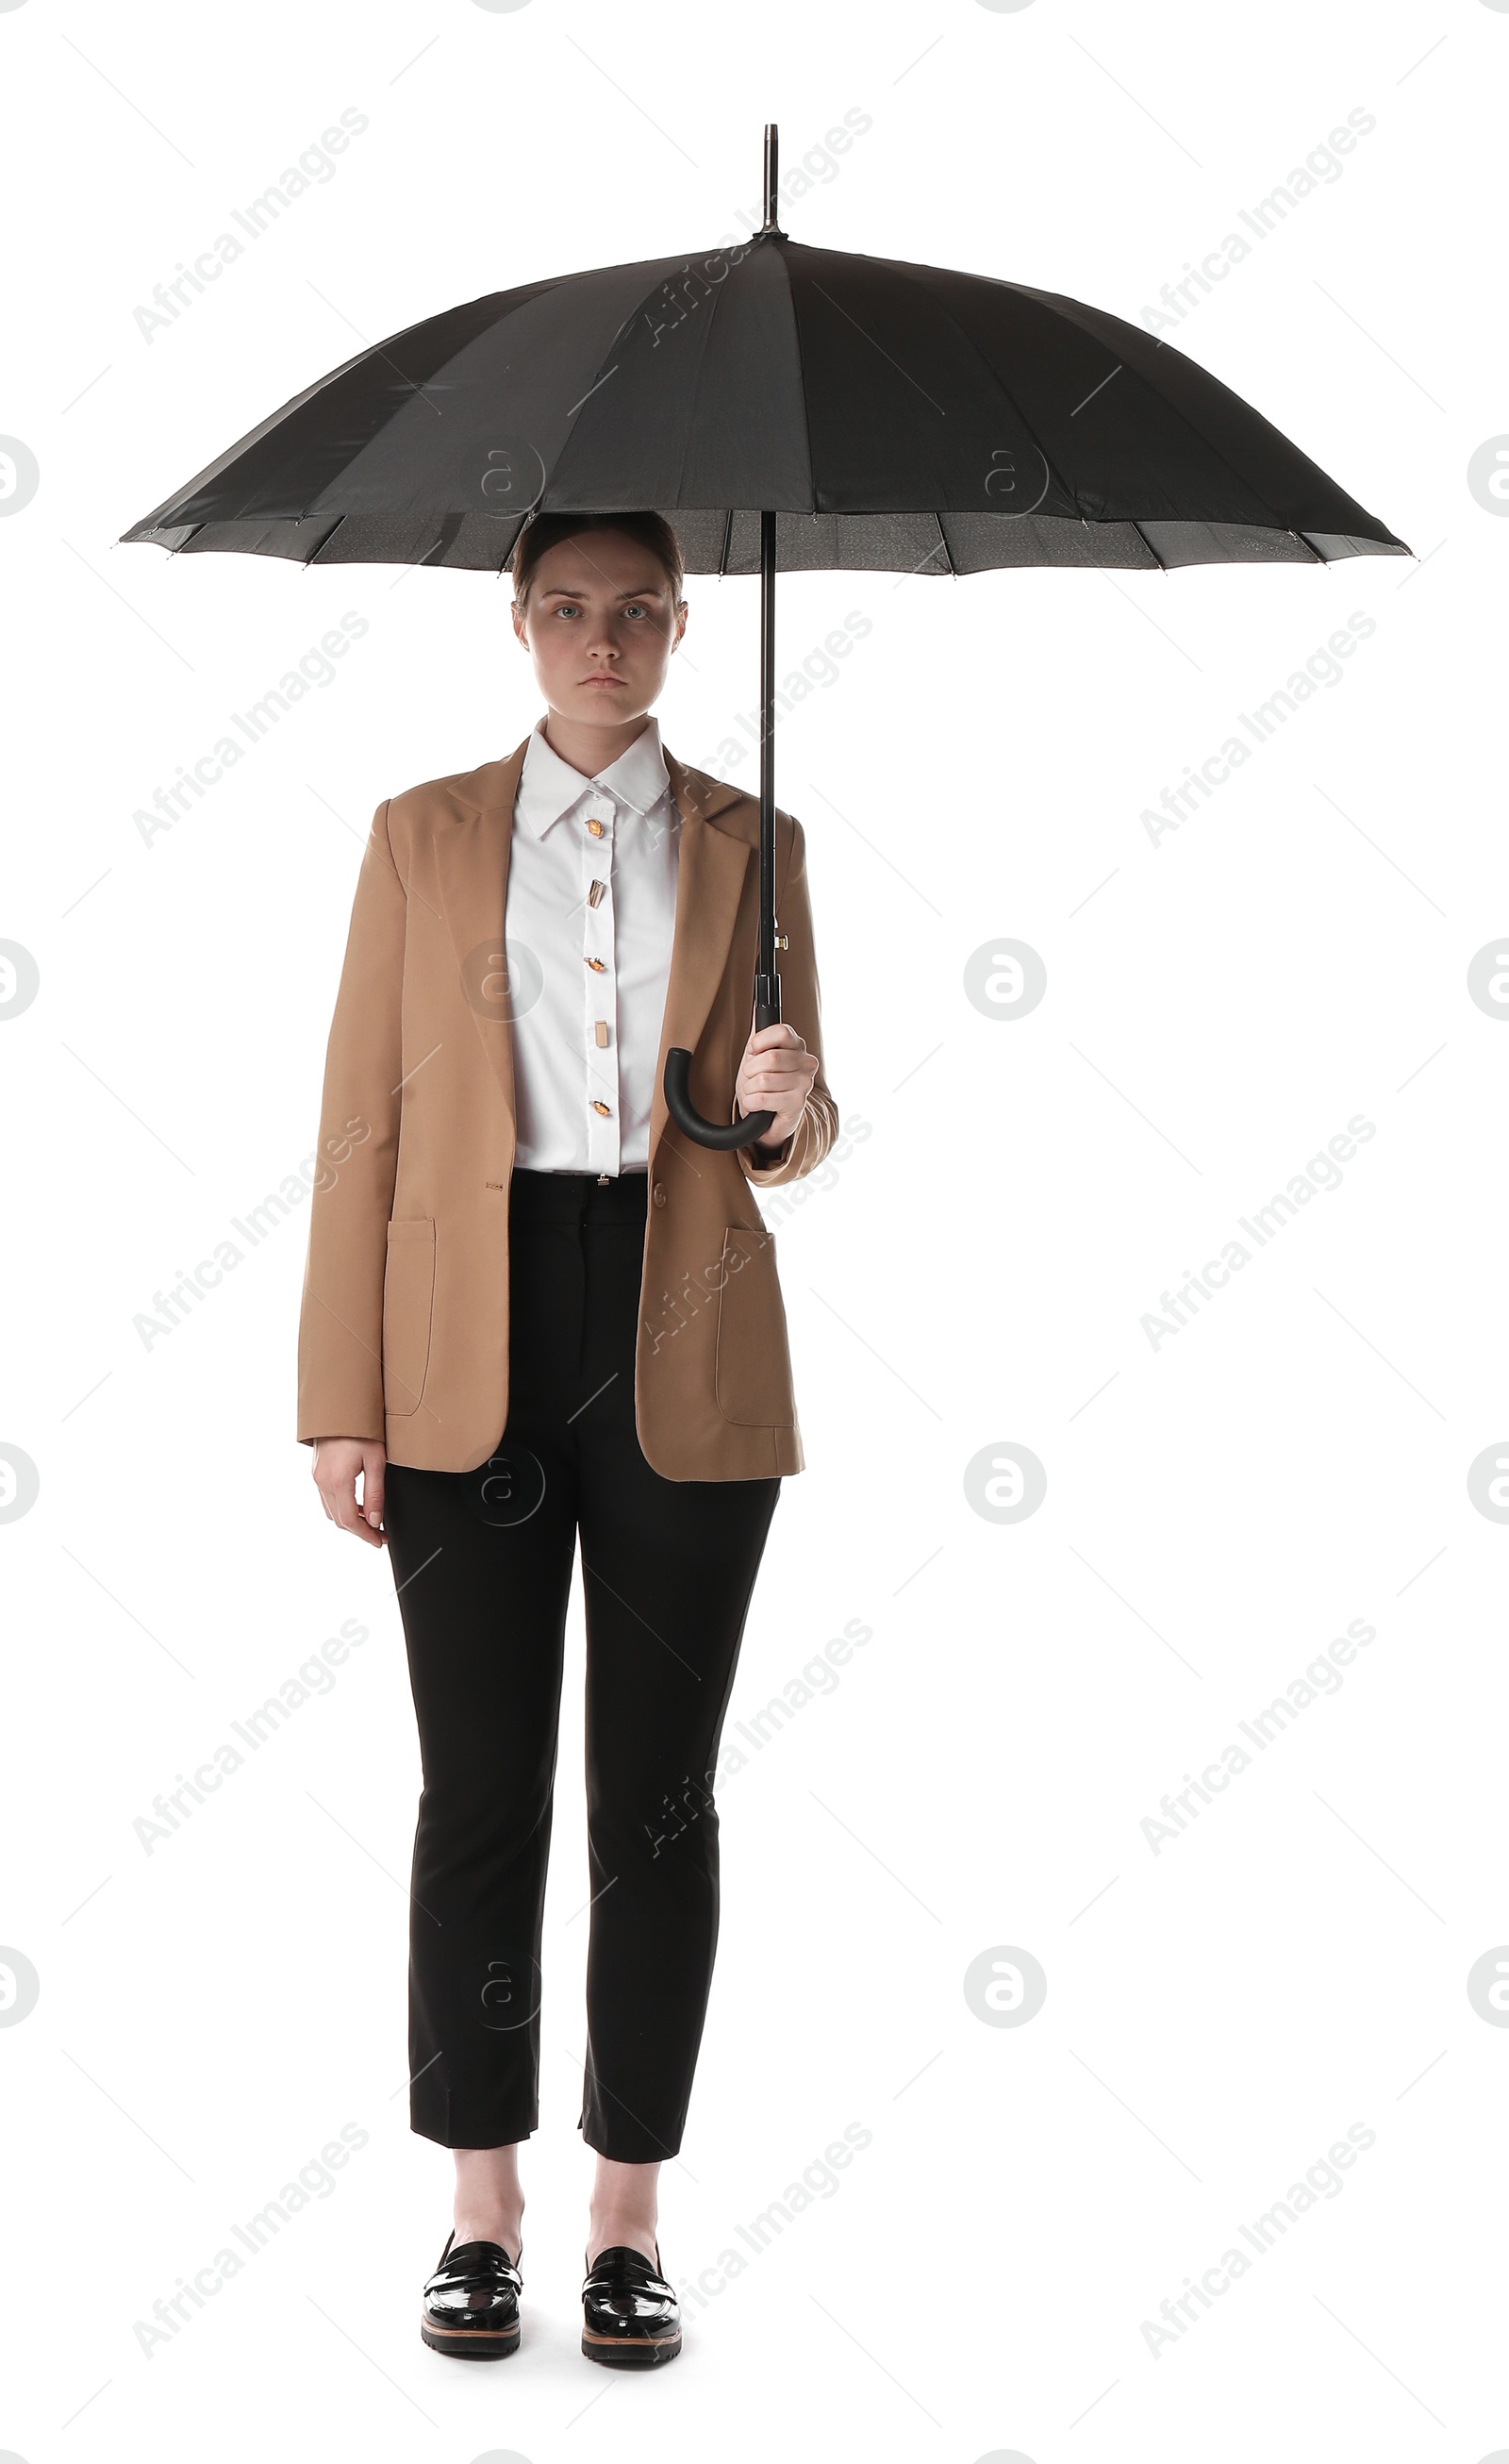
(686, 1117)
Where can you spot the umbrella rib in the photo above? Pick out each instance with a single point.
(1146, 542)
(801, 394)
(511, 545)
(320, 545)
(879, 346)
(727, 542)
(944, 540)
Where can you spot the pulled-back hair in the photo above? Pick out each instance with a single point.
(547, 531)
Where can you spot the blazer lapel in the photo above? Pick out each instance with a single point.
(471, 857)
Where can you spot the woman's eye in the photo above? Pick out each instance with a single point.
(635, 611)
(567, 610)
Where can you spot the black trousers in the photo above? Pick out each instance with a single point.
(483, 1564)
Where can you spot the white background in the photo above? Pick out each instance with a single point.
(1219, 1004)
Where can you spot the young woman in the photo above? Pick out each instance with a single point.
(533, 1308)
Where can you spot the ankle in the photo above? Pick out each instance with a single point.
(614, 2229)
(503, 2224)
(508, 2241)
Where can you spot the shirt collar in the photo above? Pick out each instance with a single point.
(548, 786)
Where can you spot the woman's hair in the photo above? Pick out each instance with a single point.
(548, 530)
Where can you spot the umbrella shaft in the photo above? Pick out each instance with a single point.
(767, 982)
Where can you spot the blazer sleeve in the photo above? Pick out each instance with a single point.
(340, 1320)
(800, 1007)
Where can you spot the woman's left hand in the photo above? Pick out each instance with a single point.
(775, 1075)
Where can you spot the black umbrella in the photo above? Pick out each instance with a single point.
(788, 409)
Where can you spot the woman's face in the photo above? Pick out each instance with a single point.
(599, 626)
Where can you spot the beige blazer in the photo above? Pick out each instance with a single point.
(404, 1332)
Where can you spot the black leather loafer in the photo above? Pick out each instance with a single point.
(471, 2302)
(630, 2318)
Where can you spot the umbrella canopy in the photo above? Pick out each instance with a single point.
(894, 417)
(787, 408)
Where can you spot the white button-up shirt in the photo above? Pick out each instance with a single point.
(590, 919)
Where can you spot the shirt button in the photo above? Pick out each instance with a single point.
(600, 1108)
(660, 1193)
(599, 966)
(595, 827)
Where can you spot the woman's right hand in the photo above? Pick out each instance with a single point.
(337, 1462)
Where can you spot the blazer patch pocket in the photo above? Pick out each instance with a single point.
(408, 1299)
(752, 1375)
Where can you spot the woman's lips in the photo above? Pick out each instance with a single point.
(605, 683)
